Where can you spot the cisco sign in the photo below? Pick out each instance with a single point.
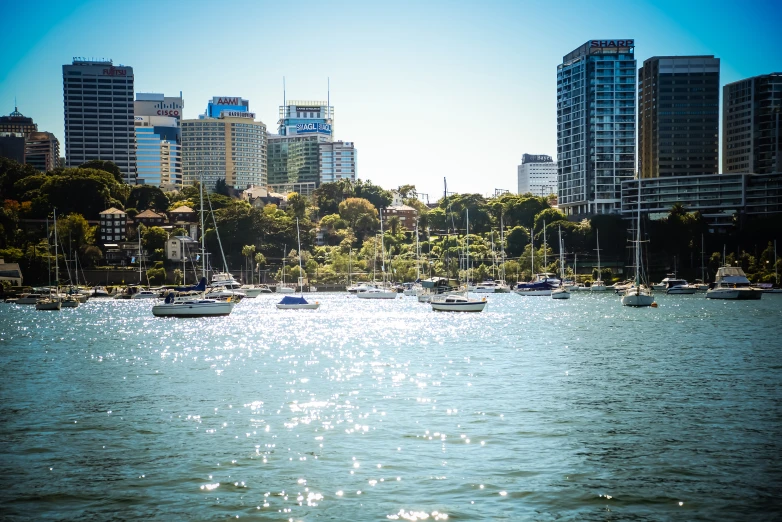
(611, 43)
(306, 128)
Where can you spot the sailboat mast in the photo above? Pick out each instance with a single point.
(382, 249)
(56, 261)
(776, 276)
(532, 253)
(545, 249)
(638, 240)
(599, 273)
(417, 254)
(298, 238)
(203, 244)
(561, 257)
(48, 254)
(703, 266)
(467, 246)
(502, 248)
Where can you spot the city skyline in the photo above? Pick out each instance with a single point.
(422, 75)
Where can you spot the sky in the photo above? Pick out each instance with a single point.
(427, 90)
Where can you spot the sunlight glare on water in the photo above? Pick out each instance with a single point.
(366, 410)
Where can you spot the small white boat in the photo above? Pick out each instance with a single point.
(30, 298)
(99, 291)
(145, 294)
(255, 290)
(732, 283)
(282, 289)
(457, 303)
(638, 296)
(193, 307)
(598, 286)
(679, 286)
(560, 293)
(378, 293)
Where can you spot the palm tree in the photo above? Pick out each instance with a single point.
(247, 252)
(393, 223)
(260, 261)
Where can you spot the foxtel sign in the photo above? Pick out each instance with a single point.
(611, 43)
(306, 128)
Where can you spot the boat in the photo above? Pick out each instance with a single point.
(638, 295)
(193, 306)
(281, 287)
(562, 292)
(99, 291)
(360, 287)
(771, 289)
(459, 302)
(48, 303)
(598, 286)
(732, 283)
(540, 285)
(29, 298)
(700, 286)
(290, 302)
(52, 301)
(254, 290)
(69, 302)
(145, 294)
(679, 286)
(384, 292)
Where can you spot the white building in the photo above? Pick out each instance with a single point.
(181, 248)
(232, 146)
(537, 175)
(337, 161)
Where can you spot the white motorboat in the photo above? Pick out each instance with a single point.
(457, 303)
(492, 287)
(679, 286)
(145, 294)
(361, 287)
(378, 293)
(193, 307)
(598, 286)
(255, 290)
(638, 295)
(732, 283)
(282, 289)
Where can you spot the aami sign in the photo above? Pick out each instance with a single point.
(227, 101)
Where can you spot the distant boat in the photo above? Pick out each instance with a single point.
(562, 292)
(290, 302)
(638, 295)
(384, 292)
(732, 283)
(598, 285)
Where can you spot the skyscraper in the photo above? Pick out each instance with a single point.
(337, 161)
(595, 125)
(678, 116)
(158, 140)
(310, 118)
(98, 101)
(751, 126)
(228, 145)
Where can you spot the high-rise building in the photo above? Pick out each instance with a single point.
(230, 146)
(158, 140)
(306, 118)
(294, 159)
(751, 113)
(337, 161)
(678, 116)
(537, 175)
(98, 101)
(42, 151)
(595, 125)
(12, 146)
(18, 123)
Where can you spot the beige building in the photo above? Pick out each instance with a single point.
(231, 147)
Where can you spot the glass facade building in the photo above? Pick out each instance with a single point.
(678, 116)
(595, 126)
(337, 161)
(294, 159)
(158, 156)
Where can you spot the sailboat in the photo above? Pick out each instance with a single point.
(776, 289)
(598, 286)
(562, 292)
(282, 288)
(53, 302)
(639, 294)
(195, 306)
(384, 292)
(292, 302)
(415, 288)
(541, 284)
(459, 302)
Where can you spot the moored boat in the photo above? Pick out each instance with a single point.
(732, 283)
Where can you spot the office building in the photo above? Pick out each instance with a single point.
(17, 123)
(678, 116)
(537, 175)
(337, 161)
(751, 139)
(294, 160)
(98, 102)
(718, 197)
(42, 151)
(158, 140)
(306, 118)
(595, 126)
(12, 146)
(230, 146)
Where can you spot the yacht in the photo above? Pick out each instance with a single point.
(145, 294)
(99, 291)
(291, 302)
(377, 293)
(679, 286)
(700, 286)
(732, 283)
(638, 295)
(541, 285)
(385, 291)
(29, 298)
(255, 290)
(598, 286)
(457, 303)
(562, 292)
(361, 287)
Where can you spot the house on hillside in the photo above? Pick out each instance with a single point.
(113, 225)
(150, 218)
(10, 272)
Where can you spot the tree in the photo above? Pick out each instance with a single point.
(105, 166)
(517, 238)
(221, 187)
(260, 263)
(74, 231)
(143, 197)
(360, 214)
(407, 191)
(393, 223)
(375, 194)
(154, 238)
(297, 205)
(156, 276)
(247, 252)
(549, 215)
(328, 196)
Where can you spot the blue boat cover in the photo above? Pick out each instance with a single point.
(292, 299)
(200, 287)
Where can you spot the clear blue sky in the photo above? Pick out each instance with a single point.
(424, 89)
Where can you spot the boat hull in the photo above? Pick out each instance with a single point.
(544, 293)
(285, 290)
(637, 300)
(70, 303)
(734, 293)
(469, 306)
(377, 295)
(308, 306)
(681, 291)
(560, 294)
(214, 309)
(598, 288)
(48, 305)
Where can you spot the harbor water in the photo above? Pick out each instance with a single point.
(535, 409)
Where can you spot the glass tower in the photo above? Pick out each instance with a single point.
(596, 125)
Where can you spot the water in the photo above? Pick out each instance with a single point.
(374, 410)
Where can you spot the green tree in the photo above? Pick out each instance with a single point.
(516, 239)
(328, 196)
(361, 216)
(393, 223)
(143, 197)
(74, 231)
(105, 166)
(153, 238)
(297, 205)
(378, 196)
(247, 252)
(221, 187)
(156, 276)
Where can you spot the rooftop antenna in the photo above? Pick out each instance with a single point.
(328, 96)
(284, 104)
